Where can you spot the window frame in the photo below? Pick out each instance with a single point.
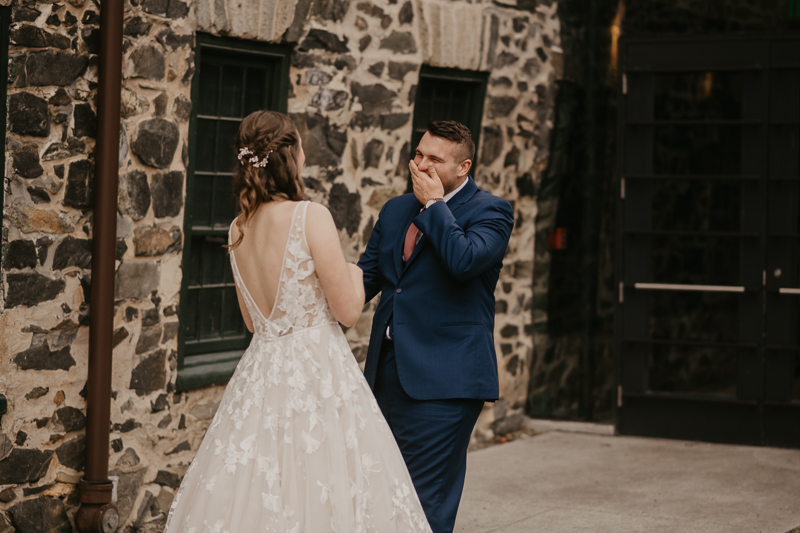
(217, 366)
(479, 80)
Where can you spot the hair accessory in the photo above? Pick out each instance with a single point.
(254, 160)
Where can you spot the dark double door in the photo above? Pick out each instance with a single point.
(708, 329)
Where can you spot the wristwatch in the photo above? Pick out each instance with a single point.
(433, 201)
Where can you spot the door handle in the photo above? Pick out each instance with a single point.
(696, 288)
(788, 290)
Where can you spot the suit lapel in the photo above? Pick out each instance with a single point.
(463, 195)
(454, 204)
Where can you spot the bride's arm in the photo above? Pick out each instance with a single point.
(342, 282)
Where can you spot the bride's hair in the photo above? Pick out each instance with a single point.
(267, 146)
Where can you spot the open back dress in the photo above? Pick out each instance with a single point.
(298, 443)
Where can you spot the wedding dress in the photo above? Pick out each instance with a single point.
(298, 443)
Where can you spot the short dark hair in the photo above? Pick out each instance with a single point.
(456, 132)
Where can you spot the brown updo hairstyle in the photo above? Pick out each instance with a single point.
(268, 134)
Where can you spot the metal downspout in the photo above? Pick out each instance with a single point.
(97, 514)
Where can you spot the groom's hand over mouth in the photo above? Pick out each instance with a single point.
(426, 183)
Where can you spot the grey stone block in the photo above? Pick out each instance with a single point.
(137, 279)
(24, 465)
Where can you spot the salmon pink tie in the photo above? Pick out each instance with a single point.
(411, 241)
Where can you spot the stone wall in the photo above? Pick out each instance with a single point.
(352, 84)
(560, 284)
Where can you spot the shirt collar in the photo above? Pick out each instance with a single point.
(449, 196)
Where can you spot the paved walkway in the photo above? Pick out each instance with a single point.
(563, 481)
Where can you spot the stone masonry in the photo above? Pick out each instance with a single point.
(353, 78)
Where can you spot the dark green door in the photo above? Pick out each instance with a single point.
(709, 237)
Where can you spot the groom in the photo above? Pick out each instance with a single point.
(435, 257)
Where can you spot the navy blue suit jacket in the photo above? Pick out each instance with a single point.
(441, 302)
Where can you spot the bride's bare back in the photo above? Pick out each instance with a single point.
(260, 256)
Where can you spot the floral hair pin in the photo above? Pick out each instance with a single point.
(254, 159)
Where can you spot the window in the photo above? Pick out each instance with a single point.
(233, 79)
(448, 94)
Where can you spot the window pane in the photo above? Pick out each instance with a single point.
(460, 106)
(209, 89)
(697, 149)
(191, 269)
(698, 96)
(782, 375)
(422, 112)
(225, 145)
(255, 96)
(189, 321)
(782, 324)
(696, 205)
(441, 103)
(232, 92)
(783, 215)
(705, 316)
(210, 311)
(696, 260)
(201, 200)
(785, 95)
(206, 140)
(224, 201)
(228, 277)
(694, 369)
(784, 151)
(233, 323)
(214, 259)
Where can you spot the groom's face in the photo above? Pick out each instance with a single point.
(444, 156)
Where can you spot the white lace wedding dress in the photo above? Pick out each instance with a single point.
(298, 443)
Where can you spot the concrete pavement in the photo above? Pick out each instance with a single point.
(577, 477)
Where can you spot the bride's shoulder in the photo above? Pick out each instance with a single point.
(318, 214)
(320, 226)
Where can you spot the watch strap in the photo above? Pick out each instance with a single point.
(433, 201)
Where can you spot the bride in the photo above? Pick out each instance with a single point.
(298, 443)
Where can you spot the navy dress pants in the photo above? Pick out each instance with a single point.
(433, 436)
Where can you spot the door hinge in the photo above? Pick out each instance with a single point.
(622, 188)
(621, 291)
(624, 83)
(619, 395)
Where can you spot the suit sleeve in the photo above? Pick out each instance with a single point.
(369, 263)
(468, 253)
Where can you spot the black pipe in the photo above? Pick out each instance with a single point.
(97, 514)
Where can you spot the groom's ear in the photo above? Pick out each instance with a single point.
(463, 167)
